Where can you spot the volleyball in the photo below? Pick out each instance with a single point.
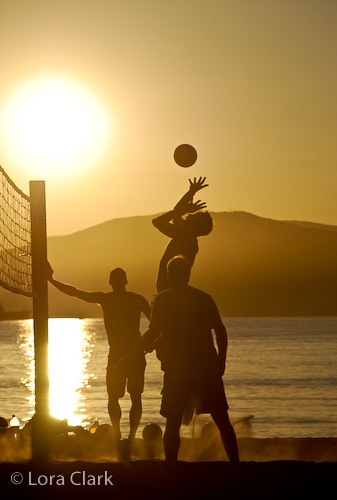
(185, 155)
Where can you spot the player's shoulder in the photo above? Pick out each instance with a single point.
(163, 295)
(203, 298)
(200, 293)
(135, 296)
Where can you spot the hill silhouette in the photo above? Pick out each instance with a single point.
(252, 266)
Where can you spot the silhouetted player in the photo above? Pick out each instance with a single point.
(184, 232)
(184, 317)
(121, 312)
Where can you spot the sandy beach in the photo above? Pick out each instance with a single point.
(88, 466)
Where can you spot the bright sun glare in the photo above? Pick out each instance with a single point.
(53, 127)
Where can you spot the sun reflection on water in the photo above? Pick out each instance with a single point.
(69, 352)
(26, 343)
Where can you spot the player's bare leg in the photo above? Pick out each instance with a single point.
(227, 434)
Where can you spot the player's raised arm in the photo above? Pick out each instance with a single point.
(93, 297)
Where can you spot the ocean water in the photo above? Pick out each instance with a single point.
(281, 376)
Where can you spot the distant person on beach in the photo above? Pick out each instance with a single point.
(184, 232)
(121, 312)
(184, 317)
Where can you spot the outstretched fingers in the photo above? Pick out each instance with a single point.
(198, 205)
(196, 185)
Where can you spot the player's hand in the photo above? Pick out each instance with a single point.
(156, 346)
(196, 185)
(189, 207)
(196, 206)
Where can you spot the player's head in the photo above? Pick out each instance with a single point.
(118, 277)
(200, 223)
(178, 271)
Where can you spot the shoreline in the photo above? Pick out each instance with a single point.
(78, 444)
(94, 466)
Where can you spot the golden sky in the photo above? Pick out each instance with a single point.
(251, 84)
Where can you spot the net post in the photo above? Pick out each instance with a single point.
(40, 448)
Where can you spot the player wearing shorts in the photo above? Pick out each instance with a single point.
(185, 317)
(122, 311)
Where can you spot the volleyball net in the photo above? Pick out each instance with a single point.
(23, 270)
(15, 238)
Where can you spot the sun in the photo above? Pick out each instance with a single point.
(54, 127)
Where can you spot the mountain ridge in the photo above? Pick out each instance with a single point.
(251, 265)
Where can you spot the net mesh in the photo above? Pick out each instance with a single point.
(15, 238)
